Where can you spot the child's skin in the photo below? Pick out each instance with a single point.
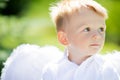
(83, 34)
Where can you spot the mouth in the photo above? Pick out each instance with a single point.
(95, 45)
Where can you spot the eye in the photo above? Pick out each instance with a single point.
(87, 29)
(101, 29)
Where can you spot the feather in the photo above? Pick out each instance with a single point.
(113, 59)
(27, 61)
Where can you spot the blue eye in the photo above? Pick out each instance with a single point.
(87, 29)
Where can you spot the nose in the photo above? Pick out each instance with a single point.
(96, 35)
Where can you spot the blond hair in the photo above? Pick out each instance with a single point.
(63, 9)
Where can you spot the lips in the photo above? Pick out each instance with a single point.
(95, 44)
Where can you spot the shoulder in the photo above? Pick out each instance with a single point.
(51, 70)
(109, 71)
(53, 65)
(113, 59)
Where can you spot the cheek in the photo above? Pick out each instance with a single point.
(83, 38)
(80, 40)
(103, 41)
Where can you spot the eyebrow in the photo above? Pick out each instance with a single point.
(80, 27)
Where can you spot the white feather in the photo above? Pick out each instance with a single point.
(113, 59)
(27, 61)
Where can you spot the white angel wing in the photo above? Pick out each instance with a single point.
(114, 60)
(27, 61)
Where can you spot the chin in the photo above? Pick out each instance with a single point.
(94, 52)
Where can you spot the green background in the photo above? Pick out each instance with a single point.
(28, 21)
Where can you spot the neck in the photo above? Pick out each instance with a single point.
(78, 59)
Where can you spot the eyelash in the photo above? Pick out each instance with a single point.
(101, 29)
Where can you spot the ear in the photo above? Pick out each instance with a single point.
(62, 37)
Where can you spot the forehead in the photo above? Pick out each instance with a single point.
(86, 16)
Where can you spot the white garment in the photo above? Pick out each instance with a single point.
(94, 68)
(26, 62)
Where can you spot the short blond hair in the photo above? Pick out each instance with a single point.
(63, 9)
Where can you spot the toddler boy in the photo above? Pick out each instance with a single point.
(81, 28)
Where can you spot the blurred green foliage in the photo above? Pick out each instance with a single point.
(31, 23)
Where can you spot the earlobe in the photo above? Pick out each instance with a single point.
(62, 38)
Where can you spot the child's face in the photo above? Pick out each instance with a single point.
(85, 33)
